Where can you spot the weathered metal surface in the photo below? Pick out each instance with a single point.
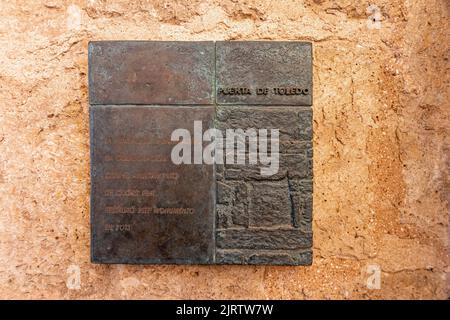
(144, 208)
(266, 219)
(151, 72)
(264, 73)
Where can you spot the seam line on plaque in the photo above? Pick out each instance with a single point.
(214, 164)
(215, 74)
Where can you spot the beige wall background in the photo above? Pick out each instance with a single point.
(381, 124)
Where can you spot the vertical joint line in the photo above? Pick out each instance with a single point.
(291, 199)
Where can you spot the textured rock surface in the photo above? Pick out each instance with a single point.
(381, 122)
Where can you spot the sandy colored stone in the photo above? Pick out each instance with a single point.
(381, 128)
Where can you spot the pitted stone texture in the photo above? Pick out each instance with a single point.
(232, 204)
(290, 165)
(266, 219)
(294, 123)
(270, 205)
(264, 257)
(151, 72)
(295, 140)
(264, 64)
(264, 239)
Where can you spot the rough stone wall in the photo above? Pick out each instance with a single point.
(381, 121)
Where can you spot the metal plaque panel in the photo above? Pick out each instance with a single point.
(264, 73)
(151, 72)
(144, 208)
(266, 219)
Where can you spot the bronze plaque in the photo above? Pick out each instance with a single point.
(145, 209)
(151, 72)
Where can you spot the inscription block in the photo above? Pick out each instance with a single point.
(151, 72)
(145, 209)
(264, 73)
